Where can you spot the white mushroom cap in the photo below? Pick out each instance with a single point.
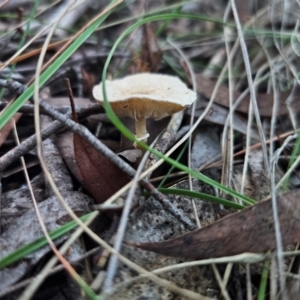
(146, 95)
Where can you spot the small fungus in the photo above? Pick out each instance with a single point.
(145, 95)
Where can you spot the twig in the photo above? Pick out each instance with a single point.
(64, 109)
(27, 145)
(12, 86)
(55, 163)
(88, 136)
(154, 278)
(71, 98)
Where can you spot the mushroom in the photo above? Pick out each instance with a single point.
(145, 95)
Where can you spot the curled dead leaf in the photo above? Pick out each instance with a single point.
(250, 230)
(99, 176)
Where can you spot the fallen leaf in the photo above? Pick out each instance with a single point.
(251, 230)
(151, 54)
(206, 86)
(150, 57)
(89, 80)
(64, 143)
(100, 176)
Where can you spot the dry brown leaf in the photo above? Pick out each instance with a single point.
(89, 80)
(206, 86)
(151, 54)
(100, 176)
(150, 57)
(64, 143)
(251, 230)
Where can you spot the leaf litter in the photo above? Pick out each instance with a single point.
(151, 227)
(250, 230)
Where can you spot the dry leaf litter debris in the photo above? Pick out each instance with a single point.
(151, 222)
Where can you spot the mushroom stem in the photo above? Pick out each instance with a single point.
(140, 129)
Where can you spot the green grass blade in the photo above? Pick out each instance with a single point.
(116, 121)
(263, 281)
(166, 23)
(39, 243)
(201, 196)
(21, 100)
